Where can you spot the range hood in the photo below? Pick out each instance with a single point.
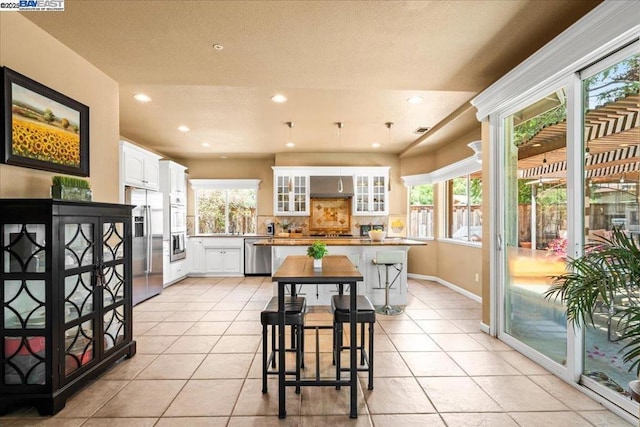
(327, 187)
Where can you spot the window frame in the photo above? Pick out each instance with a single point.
(225, 185)
(448, 212)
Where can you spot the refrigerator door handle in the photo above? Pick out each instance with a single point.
(149, 241)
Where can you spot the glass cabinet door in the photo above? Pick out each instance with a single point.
(283, 194)
(379, 191)
(112, 283)
(24, 304)
(79, 242)
(362, 193)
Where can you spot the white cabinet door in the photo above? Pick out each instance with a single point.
(152, 173)
(133, 167)
(231, 261)
(291, 195)
(222, 260)
(177, 180)
(141, 168)
(370, 196)
(196, 256)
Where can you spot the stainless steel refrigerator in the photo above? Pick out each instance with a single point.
(147, 242)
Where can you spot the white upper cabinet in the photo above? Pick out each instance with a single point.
(371, 192)
(173, 181)
(291, 194)
(141, 168)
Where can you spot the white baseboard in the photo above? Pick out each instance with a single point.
(449, 285)
(485, 328)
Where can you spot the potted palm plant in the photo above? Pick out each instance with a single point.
(317, 251)
(604, 283)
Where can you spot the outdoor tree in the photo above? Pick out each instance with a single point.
(421, 195)
(48, 116)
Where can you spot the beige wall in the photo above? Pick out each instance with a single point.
(233, 169)
(456, 150)
(459, 264)
(452, 262)
(27, 49)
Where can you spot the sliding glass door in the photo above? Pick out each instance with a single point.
(611, 141)
(535, 219)
(569, 172)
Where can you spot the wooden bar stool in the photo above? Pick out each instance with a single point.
(295, 308)
(394, 259)
(365, 313)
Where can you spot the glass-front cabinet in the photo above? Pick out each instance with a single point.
(65, 290)
(291, 194)
(370, 192)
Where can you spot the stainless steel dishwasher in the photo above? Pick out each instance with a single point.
(257, 259)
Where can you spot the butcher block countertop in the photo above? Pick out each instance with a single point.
(337, 241)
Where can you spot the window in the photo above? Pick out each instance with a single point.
(225, 206)
(464, 214)
(421, 210)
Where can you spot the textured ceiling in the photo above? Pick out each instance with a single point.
(348, 61)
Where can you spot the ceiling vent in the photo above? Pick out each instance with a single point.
(421, 130)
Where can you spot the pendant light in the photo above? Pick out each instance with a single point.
(290, 124)
(388, 125)
(340, 186)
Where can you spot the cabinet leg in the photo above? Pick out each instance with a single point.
(132, 350)
(50, 406)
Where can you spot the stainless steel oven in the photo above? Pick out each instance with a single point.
(178, 246)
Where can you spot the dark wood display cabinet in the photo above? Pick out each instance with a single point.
(65, 286)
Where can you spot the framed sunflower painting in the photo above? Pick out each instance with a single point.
(43, 129)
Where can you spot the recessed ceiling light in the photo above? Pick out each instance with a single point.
(206, 144)
(279, 98)
(218, 46)
(375, 145)
(183, 128)
(624, 145)
(416, 99)
(536, 145)
(141, 97)
(224, 157)
(290, 144)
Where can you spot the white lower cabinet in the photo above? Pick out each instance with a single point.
(178, 270)
(222, 261)
(172, 272)
(196, 255)
(215, 256)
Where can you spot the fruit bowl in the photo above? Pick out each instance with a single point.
(377, 235)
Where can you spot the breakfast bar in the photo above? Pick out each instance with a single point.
(361, 252)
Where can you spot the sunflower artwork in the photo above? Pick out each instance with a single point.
(44, 129)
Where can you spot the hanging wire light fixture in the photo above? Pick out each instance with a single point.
(388, 125)
(290, 184)
(340, 185)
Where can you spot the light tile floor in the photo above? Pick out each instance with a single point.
(199, 354)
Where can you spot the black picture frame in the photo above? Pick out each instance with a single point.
(42, 128)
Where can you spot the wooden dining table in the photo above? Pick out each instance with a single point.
(336, 270)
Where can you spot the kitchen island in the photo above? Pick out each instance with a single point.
(362, 252)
